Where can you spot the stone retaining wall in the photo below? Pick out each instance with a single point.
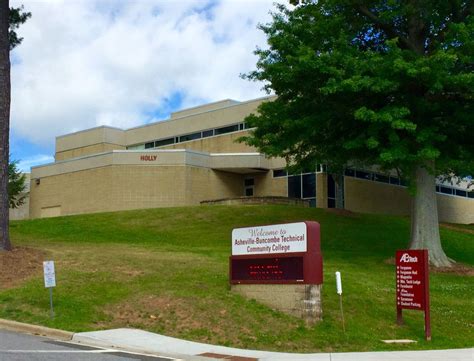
(259, 200)
(302, 301)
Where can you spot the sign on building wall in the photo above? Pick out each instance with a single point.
(413, 284)
(279, 253)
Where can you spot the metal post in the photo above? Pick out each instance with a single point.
(51, 302)
(342, 313)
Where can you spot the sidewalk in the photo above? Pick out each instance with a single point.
(146, 342)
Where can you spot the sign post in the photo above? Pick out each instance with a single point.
(49, 282)
(413, 285)
(339, 292)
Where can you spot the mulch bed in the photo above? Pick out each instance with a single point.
(19, 265)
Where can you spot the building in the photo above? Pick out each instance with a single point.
(194, 156)
(23, 211)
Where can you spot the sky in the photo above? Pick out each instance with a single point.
(85, 63)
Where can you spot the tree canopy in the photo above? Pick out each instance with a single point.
(385, 83)
(16, 185)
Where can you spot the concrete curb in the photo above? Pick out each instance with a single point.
(36, 330)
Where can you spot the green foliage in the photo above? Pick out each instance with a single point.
(16, 185)
(373, 82)
(16, 18)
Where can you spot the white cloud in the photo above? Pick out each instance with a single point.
(25, 164)
(85, 63)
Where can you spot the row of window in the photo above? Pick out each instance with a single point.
(372, 176)
(376, 177)
(190, 136)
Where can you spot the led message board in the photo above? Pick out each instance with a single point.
(280, 253)
(413, 284)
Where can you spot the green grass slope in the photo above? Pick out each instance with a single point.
(166, 271)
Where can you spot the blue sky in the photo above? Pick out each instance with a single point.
(85, 63)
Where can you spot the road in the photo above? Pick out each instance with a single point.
(21, 347)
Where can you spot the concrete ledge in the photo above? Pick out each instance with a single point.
(258, 200)
(36, 330)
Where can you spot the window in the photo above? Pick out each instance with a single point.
(208, 133)
(394, 180)
(309, 185)
(381, 178)
(279, 173)
(461, 193)
(223, 130)
(294, 186)
(149, 145)
(363, 175)
(349, 172)
(446, 190)
(241, 126)
(470, 194)
(187, 137)
(162, 142)
(136, 147)
(249, 184)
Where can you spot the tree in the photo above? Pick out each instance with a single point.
(16, 185)
(10, 19)
(373, 83)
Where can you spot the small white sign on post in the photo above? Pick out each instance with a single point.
(49, 274)
(49, 282)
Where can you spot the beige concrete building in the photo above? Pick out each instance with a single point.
(195, 156)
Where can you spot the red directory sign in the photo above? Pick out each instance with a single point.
(413, 284)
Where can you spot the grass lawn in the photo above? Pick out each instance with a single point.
(166, 271)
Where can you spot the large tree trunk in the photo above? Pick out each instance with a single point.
(424, 218)
(4, 123)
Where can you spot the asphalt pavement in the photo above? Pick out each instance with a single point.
(21, 347)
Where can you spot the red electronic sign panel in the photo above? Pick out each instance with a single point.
(278, 253)
(413, 283)
(268, 269)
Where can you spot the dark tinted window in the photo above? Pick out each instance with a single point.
(208, 133)
(187, 137)
(249, 182)
(331, 187)
(149, 145)
(231, 128)
(460, 193)
(294, 186)
(279, 173)
(470, 194)
(248, 192)
(381, 178)
(160, 143)
(350, 172)
(363, 175)
(309, 185)
(446, 190)
(331, 203)
(394, 180)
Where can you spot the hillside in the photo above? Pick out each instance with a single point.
(166, 271)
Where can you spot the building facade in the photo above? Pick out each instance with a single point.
(195, 156)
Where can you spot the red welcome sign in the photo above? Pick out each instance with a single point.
(413, 284)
